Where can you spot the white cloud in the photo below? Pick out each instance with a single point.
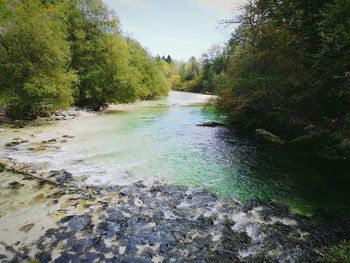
(132, 3)
(221, 7)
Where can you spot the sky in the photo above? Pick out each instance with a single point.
(180, 28)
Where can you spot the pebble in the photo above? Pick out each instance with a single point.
(111, 224)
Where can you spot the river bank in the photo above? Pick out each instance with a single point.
(147, 183)
(163, 140)
(150, 223)
(327, 139)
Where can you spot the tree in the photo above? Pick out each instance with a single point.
(168, 59)
(34, 60)
(171, 73)
(333, 64)
(189, 74)
(287, 65)
(99, 54)
(54, 51)
(146, 76)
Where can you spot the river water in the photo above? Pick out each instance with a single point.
(160, 140)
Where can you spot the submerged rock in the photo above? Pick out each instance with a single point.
(266, 136)
(40, 198)
(61, 176)
(38, 147)
(26, 228)
(68, 136)
(211, 124)
(49, 141)
(15, 185)
(77, 223)
(12, 144)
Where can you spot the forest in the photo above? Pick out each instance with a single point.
(70, 53)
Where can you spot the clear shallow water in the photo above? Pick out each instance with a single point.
(159, 140)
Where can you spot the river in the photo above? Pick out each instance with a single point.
(160, 140)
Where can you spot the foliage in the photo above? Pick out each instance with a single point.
(189, 73)
(287, 63)
(213, 77)
(337, 254)
(34, 60)
(147, 77)
(171, 71)
(54, 53)
(99, 55)
(205, 76)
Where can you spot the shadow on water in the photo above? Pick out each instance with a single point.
(267, 171)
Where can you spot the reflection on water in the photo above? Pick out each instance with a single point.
(160, 140)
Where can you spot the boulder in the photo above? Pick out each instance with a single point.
(211, 124)
(61, 176)
(12, 144)
(266, 136)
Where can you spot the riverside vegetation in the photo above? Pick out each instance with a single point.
(285, 69)
(57, 53)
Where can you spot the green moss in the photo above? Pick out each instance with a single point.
(337, 254)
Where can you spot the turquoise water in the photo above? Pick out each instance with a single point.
(160, 140)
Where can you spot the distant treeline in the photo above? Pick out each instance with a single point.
(57, 53)
(204, 75)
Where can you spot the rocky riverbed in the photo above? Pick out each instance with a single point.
(52, 218)
(48, 214)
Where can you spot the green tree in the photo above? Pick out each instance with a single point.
(332, 61)
(287, 66)
(273, 56)
(212, 77)
(99, 55)
(147, 76)
(34, 60)
(171, 73)
(168, 59)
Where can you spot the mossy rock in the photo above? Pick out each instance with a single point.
(266, 136)
(2, 167)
